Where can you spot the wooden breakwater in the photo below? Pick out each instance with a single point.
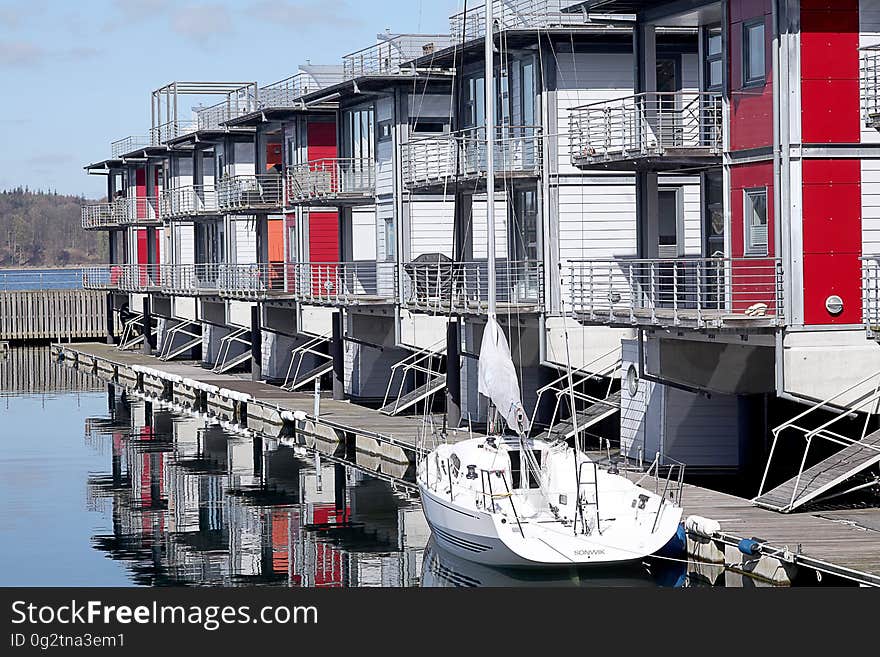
(62, 315)
(31, 370)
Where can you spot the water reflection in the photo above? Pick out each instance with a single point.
(195, 505)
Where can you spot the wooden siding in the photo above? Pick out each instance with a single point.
(53, 314)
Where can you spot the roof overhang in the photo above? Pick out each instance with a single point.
(276, 114)
(376, 85)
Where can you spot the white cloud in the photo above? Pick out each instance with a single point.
(21, 53)
(204, 24)
(303, 14)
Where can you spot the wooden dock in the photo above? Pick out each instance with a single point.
(842, 544)
(28, 315)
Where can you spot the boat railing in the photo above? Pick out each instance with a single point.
(486, 478)
(583, 503)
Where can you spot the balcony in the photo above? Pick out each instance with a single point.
(650, 131)
(191, 280)
(188, 202)
(516, 15)
(870, 86)
(130, 144)
(258, 193)
(347, 181)
(135, 278)
(100, 216)
(700, 293)
(437, 161)
(388, 56)
(140, 211)
(871, 295)
(345, 283)
(440, 286)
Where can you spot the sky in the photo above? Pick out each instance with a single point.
(77, 74)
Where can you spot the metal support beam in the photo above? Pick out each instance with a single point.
(148, 322)
(453, 374)
(111, 337)
(337, 350)
(256, 343)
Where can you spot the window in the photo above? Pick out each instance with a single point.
(430, 126)
(390, 240)
(714, 59)
(755, 216)
(527, 91)
(753, 52)
(384, 131)
(669, 219)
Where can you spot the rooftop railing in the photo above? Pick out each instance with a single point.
(871, 294)
(515, 15)
(246, 193)
(387, 56)
(129, 144)
(870, 85)
(165, 132)
(99, 216)
(432, 160)
(237, 103)
(188, 201)
(647, 125)
(285, 93)
(335, 179)
(694, 292)
(440, 285)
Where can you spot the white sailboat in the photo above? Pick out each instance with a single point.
(515, 501)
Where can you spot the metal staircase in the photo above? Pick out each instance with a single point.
(816, 482)
(133, 333)
(295, 377)
(589, 410)
(429, 362)
(226, 362)
(191, 334)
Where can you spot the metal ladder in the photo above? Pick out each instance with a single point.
(425, 361)
(293, 380)
(224, 363)
(168, 351)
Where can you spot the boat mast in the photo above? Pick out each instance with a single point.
(490, 156)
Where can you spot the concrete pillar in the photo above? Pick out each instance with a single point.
(148, 321)
(453, 374)
(111, 338)
(337, 350)
(256, 343)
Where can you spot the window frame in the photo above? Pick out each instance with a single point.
(747, 80)
(750, 249)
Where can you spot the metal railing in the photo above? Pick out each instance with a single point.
(99, 216)
(464, 286)
(388, 56)
(870, 85)
(256, 280)
(331, 178)
(286, 92)
(518, 150)
(647, 124)
(255, 192)
(345, 283)
(129, 144)
(169, 130)
(188, 201)
(515, 15)
(237, 103)
(139, 278)
(871, 292)
(49, 279)
(191, 279)
(696, 291)
(141, 210)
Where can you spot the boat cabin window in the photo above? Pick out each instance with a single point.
(516, 470)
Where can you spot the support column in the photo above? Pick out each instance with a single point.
(453, 374)
(148, 323)
(337, 350)
(111, 324)
(256, 343)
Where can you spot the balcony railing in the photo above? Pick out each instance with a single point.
(188, 201)
(515, 15)
(331, 179)
(871, 294)
(191, 279)
(249, 193)
(129, 144)
(165, 132)
(870, 85)
(693, 292)
(237, 103)
(345, 283)
(659, 125)
(138, 278)
(387, 57)
(99, 216)
(444, 286)
(435, 160)
(138, 211)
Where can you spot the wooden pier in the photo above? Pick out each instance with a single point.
(28, 315)
(844, 544)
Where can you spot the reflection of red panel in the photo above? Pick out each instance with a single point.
(280, 541)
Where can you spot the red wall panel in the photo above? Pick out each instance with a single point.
(751, 108)
(321, 140)
(323, 237)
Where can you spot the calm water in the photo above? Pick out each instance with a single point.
(40, 279)
(97, 489)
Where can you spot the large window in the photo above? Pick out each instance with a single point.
(714, 59)
(754, 50)
(359, 140)
(669, 219)
(755, 216)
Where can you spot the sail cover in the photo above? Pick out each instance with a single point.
(498, 380)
